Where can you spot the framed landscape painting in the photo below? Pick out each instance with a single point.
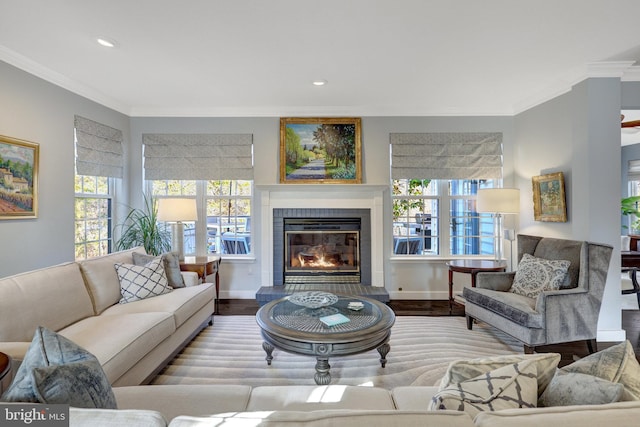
(18, 178)
(320, 151)
(549, 203)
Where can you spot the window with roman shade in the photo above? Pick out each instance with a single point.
(435, 177)
(217, 171)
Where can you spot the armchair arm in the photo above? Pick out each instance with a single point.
(570, 314)
(496, 281)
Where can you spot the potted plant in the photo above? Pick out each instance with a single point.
(630, 206)
(140, 228)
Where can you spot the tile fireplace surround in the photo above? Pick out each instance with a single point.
(329, 201)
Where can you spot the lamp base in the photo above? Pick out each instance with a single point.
(177, 239)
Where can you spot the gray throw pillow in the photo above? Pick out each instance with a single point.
(535, 275)
(55, 370)
(171, 262)
(574, 388)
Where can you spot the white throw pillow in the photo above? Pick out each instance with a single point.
(535, 275)
(142, 281)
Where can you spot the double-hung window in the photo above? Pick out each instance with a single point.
(435, 179)
(99, 163)
(217, 171)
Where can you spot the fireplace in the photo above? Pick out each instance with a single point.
(321, 249)
(321, 246)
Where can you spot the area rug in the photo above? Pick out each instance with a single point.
(230, 352)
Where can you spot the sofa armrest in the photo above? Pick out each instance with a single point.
(562, 322)
(191, 278)
(496, 281)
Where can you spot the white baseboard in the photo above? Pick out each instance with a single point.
(617, 335)
(237, 294)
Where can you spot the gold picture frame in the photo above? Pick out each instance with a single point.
(320, 150)
(18, 178)
(549, 200)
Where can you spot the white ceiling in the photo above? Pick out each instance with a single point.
(258, 58)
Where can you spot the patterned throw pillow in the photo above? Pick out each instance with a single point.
(55, 370)
(617, 364)
(512, 386)
(535, 275)
(142, 281)
(171, 263)
(463, 370)
(574, 388)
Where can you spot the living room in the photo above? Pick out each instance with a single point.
(572, 126)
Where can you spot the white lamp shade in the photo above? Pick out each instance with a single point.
(177, 210)
(498, 200)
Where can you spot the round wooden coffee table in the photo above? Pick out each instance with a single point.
(296, 329)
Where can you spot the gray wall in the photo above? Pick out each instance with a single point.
(37, 111)
(578, 134)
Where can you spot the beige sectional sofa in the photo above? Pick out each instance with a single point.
(219, 405)
(79, 300)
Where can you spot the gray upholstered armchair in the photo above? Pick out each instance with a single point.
(551, 317)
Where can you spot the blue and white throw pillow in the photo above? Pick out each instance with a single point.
(138, 282)
(535, 275)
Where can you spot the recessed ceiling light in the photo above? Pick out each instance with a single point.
(319, 82)
(106, 42)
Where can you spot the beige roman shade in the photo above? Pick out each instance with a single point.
(633, 173)
(452, 155)
(98, 149)
(198, 156)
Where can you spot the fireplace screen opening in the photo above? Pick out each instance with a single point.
(322, 249)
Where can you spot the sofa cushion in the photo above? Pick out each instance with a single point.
(80, 417)
(60, 287)
(55, 370)
(311, 398)
(330, 418)
(171, 263)
(463, 370)
(182, 302)
(102, 280)
(535, 275)
(139, 282)
(517, 308)
(574, 388)
(511, 386)
(612, 414)
(119, 342)
(617, 363)
(184, 399)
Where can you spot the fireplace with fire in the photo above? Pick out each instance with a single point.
(320, 246)
(321, 249)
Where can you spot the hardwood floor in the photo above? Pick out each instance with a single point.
(569, 351)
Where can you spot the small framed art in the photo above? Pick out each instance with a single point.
(18, 178)
(320, 151)
(549, 202)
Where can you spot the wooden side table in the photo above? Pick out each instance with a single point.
(204, 266)
(473, 267)
(5, 369)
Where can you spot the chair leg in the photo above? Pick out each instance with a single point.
(529, 350)
(592, 345)
(469, 322)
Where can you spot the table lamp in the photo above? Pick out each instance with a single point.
(497, 202)
(177, 211)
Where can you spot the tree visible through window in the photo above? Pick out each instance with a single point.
(92, 216)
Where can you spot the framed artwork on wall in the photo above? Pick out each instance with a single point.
(18, 178)
(549, 203)
(320, 150)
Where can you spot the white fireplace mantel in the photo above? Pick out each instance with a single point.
(300, 196)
